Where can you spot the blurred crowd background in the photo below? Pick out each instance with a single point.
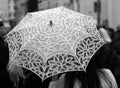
(12, 11)
(106, 12)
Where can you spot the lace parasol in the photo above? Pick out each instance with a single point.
(53, 41)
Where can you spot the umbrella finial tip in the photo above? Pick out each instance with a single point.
(51, 23)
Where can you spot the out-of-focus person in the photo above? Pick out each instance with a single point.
(1, 22)
(5, 81)
(116, 41)
(105, 25)
(105, 35)
(115, 45)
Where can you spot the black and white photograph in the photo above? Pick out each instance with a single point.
(59, 44)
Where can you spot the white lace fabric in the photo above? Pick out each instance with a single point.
(54, 41)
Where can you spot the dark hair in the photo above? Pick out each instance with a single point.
(5, 81)
(90, 79)
(4, 53)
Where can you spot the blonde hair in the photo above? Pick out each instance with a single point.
(107, 79)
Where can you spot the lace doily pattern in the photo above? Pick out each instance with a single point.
(59, 40)
(89, 24)
(62, 62)
(31, 60)
(15, 42)
(86, 48)
(59, 63)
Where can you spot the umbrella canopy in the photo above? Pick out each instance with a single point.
(53, 41)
